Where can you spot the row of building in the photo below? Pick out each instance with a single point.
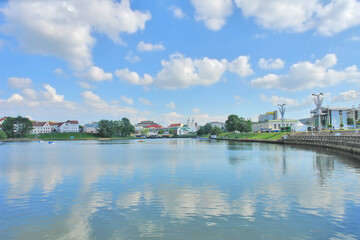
(177, 128)
(330, 118)
(61, 127)
(49, 127)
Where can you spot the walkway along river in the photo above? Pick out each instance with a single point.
(347, 142)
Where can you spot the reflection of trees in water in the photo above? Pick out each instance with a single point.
(239, 145)
(234, 160)
(268, 147)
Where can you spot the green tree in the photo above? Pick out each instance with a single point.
(161, 131)
(207, 128)
(350, 121)
(200, 131)
(144, 131)
(81, 128)
(232, 123)
(17, 127)
(216, 130)
(118, 127)
(245, 125)
(127, 128)
(2, 135)
(172, 131)
(106, 128)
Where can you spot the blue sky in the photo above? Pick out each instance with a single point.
(170, 60)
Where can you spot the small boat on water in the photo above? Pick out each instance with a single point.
(51, 142)
(141, 141)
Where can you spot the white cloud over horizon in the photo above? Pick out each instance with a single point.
(133, 77)
(64, 28)
(145, 102)
(212, 12)
(127, 100)
(95, 74)
(307, 75)
(271, 63)
(275, 100)
(326, 18)
(16, 82)
(171, 105)
(148, 47)
(177, 11)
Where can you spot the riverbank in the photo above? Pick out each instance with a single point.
(346, 143)
(64, 136)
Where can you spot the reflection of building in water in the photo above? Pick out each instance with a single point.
(324, 165)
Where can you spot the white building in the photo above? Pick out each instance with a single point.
(91, 127)
(335, 116)
(40, 127)
(217, 124)
(68, 126)
(275, 125)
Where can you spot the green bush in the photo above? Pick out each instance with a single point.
(2, 135)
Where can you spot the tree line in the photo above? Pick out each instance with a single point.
(19, 127)
(16, 127)
(109, 128)
(232, 124)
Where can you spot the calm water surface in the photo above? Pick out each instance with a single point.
(176, 189)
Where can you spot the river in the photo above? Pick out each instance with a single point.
(176, 189)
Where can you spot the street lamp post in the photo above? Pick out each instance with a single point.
(318, 99)
(282, 110)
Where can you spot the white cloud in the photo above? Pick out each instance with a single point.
(129, 101)
(15, 98)
(148, 47)
(145, 101)
(271, 63)
(45, 100)
(326, 17)
(239, 100)
(354, 38)
(183, 72)
(307, 75)
(95, 74)
(337, 16)
(133, 77)
(171, 105)
(212, 12)
(268, 81)
(58, 71)
(51, 95)
(275, 100)
(85, 85)
(101, 106)
(131, 57)
(63, 28)
(241, 66)
(280, 14)
(173, 117)
(16, 82)
(204, 118)
(195, 110)
(178, 13)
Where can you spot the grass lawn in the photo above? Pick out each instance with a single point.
(270, 136)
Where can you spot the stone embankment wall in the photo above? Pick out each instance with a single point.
(343, 142)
